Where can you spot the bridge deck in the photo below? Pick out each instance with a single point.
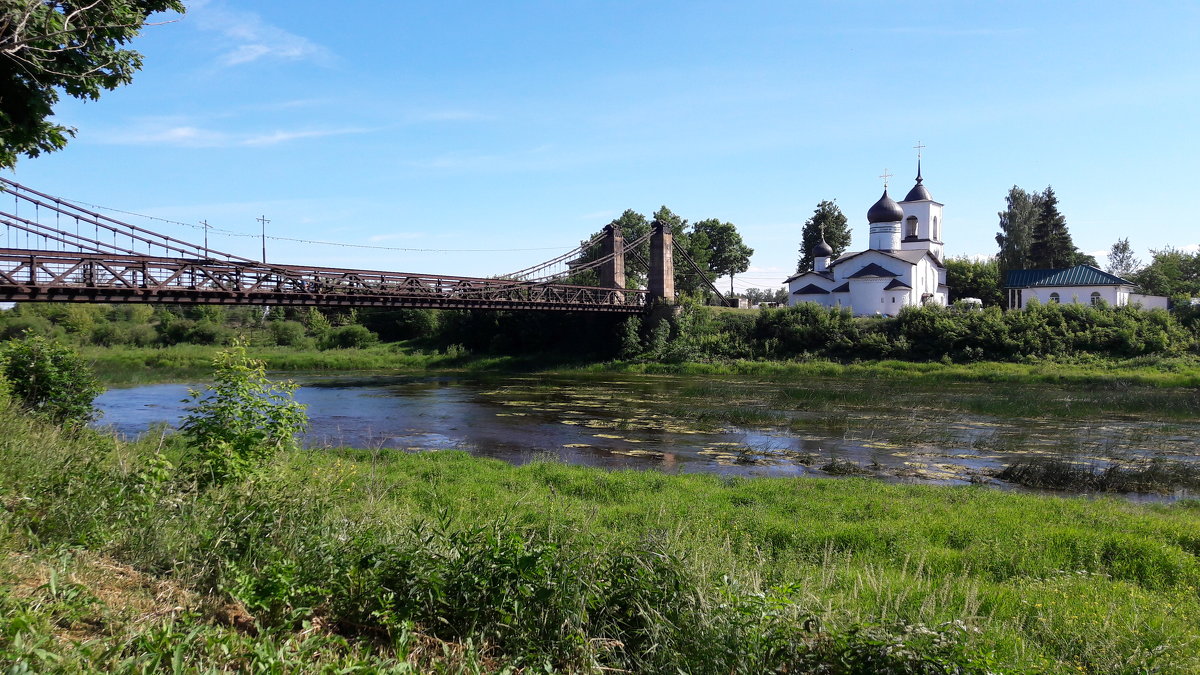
(57, 276)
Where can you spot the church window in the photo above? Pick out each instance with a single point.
(1095, 297)
(1054, 299)
(912, 226)
(937, 229)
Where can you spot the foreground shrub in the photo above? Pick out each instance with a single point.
(241, 421)
(50, 379)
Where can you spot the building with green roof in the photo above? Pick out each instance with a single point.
(1079, 284)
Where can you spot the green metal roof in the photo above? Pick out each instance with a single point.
(1080, 275)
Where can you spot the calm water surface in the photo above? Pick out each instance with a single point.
(682, 423)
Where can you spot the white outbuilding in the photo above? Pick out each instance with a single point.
(1082, 284)
(903, 265)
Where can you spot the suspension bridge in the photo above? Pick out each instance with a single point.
(55, 250)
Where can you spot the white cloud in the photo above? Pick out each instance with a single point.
(183, 135)
(277, 137)
(248, 38)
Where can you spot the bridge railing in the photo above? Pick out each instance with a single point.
(107, 277)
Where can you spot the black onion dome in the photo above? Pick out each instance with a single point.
(886, 210)
(822, 250)
(918, 193)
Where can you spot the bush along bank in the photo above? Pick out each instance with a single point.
(276, 558)
(693, 333)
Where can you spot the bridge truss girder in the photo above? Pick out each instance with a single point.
(57, 276)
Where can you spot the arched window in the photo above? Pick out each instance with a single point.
(1095, 297)
(1054, 298)
(912, 227)
(937, 230)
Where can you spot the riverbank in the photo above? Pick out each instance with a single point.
(133, 365)
(374, 559)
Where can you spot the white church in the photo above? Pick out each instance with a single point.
(903, 265)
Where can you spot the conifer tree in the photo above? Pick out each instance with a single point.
(1051, 246)
(827, 215)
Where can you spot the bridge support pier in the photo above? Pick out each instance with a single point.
(662, 263)
(612, 273)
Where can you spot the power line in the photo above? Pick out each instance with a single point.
(231, 233)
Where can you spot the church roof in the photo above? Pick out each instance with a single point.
(910, 256)
(886, 210)
(844, 288)
(1080, 275)
(896, 283)
(811, 289)
(823, 274)
(872, 270)
(919, 191)
(822, 250)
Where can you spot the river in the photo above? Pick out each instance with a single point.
(949, 434)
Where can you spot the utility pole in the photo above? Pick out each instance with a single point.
(263, 219)
(205, 224)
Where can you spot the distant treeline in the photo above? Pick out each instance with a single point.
(691, 333)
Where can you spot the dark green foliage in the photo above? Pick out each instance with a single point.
(807, 328)
(929, 333)
(1051, 246)
(827, 218)
(288, 333)
(1171, 272)
(18, 326)
(969, 278)
(562, 334)
(51, 47)
(353, 336)
(49, 379)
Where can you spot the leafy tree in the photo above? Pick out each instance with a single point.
(48, 46)
(728, 255)
(1171, 272)
(50, 379)
(1016, 231)
(241, 421)
(829, 218)
(757, 296)
(969, 278)
(1121, 260)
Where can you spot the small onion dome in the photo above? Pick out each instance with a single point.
(918, 193)
(886, 210)
(822, 250)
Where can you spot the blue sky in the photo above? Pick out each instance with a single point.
(519, 128)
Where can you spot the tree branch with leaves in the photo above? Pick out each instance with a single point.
(52, 46)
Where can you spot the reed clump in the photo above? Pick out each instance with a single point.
(1160, 476)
